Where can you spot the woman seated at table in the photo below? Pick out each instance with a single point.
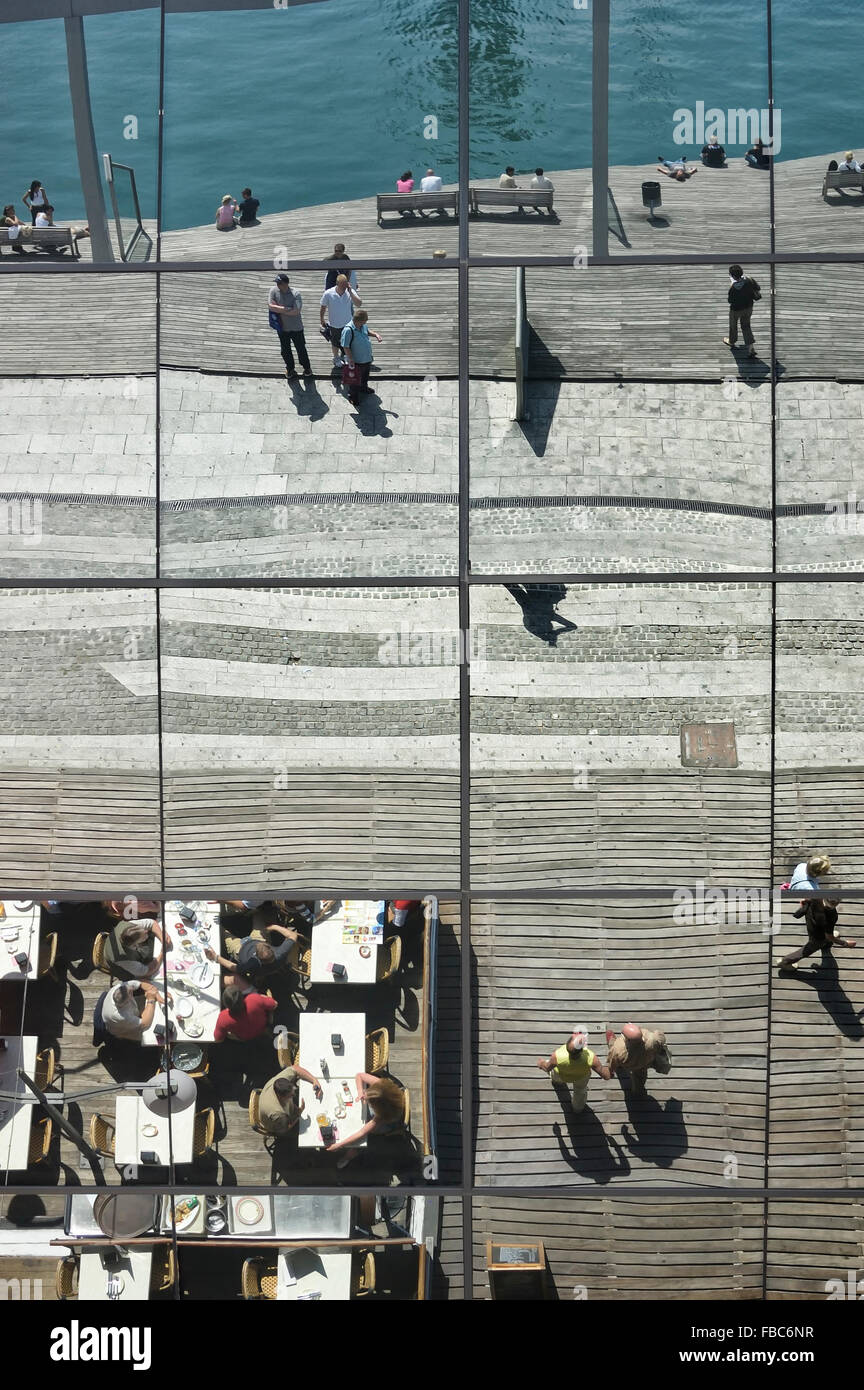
(279, 1105)
(385, 1107)
(243, 1016)
(131, 949)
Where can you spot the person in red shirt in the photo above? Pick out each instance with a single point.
(399, 911)
(243, 1016)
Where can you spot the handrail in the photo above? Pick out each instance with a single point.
(430, 1014)
(110, 165)
(522, 339)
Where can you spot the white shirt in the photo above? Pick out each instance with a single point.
(431, 183)
(340, 307)
(42, 220)
(849, 166)
(540, 181)
(122, 1021)
(801, 879)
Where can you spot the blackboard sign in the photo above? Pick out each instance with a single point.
(516, 1271)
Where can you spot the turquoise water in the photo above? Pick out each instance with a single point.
(327, 102)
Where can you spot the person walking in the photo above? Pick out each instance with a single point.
(340, 255)
(571, 1064)
(632, 1052)
(806, 875)
(337, 309)
(743, 293)
(358, 355)
(284, 307)
(820, 915)
(36, 199)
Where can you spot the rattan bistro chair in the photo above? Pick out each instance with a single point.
(102, 1135)
(377, 1051)
(389, 958)
(205, 1130)
(255, 1112)
(288, 1047)
(363, 1281)
(66, 1277)
(41, 1134)
(163, 1270)
(48, 956)
(100, 961)
(46, 1066)
(406, 1110)
(258, 1280)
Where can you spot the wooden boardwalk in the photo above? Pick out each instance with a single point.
(545, 967)
(630, 1249)
(811, 1241)
(816, 807)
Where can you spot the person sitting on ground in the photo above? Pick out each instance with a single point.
(120, 1014)
(713, 154)
(10, 219)
(225, 214)
(820, 915)
(540, 181)
(247, 209)
(676, 169)
(251, 959)
(508, 178)
(131, 948)
(849, 164)
(385, 1105)
(757, 156)
(243, 1016)
(280, 1105)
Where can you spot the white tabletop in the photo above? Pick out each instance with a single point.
(302, 1215)
(315, 1033)
(188, 952)
(133, 1269)
(358, 917)
(130, 1140)
(23, 918)
(16, 1115)
(326, 1272)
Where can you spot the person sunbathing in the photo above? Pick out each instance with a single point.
(676, 169)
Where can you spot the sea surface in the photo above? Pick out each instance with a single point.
(331, 101)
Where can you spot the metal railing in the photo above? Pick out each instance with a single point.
(130, 227)
(523, 334)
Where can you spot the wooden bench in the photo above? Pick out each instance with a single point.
(536, 198)
(41, 239)
(842, 178)
(418, 202)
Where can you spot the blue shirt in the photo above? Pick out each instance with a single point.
(358, 342)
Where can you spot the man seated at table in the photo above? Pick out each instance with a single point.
(131, 948)
(243, 1016)
(279, 1105)
(252, 959)
(120, 1013)
(117, 907)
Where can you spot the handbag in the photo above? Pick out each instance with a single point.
(274, 319)
(350, 374)
(663, 1060)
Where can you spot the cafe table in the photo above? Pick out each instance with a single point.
(350, 937)
(16, 1115)
(316, 1031)
(306, 1215)
(129, 1272)
(19, 931)
(194, 982)
(140, 1130)
(322, 1272)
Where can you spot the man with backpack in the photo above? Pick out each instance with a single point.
(633, 1051)
(743, 294)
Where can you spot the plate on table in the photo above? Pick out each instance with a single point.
(184, 1008)
(192, 1028)
(184, 1215)
(249, 1211)
(202, 975)
(10, 933)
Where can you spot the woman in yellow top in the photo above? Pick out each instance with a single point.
(571, 1064)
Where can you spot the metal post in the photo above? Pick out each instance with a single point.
(70, 1131)
(600, 124)
(85, 140)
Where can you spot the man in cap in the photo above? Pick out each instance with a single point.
(572, 1064)
(632, 1052)
(286, 304)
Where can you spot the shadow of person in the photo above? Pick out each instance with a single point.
(659, 1133)
(539, 603)
(825, 979)
(307, 399)
(593, 1153)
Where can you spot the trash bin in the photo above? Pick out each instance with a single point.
(651, 198)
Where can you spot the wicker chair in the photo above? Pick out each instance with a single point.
(66, 1278)
(48, 956)
(406, 1110)
(163, 1270)
(300, 957)
(377, 1051)
(41, 1134)
(363, 1280)
(99, 960)
(258, 1280)
(287, 1049)
(46, 1066)
(205, 1129)
(389, 958)
(102, 1136)
(255, 1112)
